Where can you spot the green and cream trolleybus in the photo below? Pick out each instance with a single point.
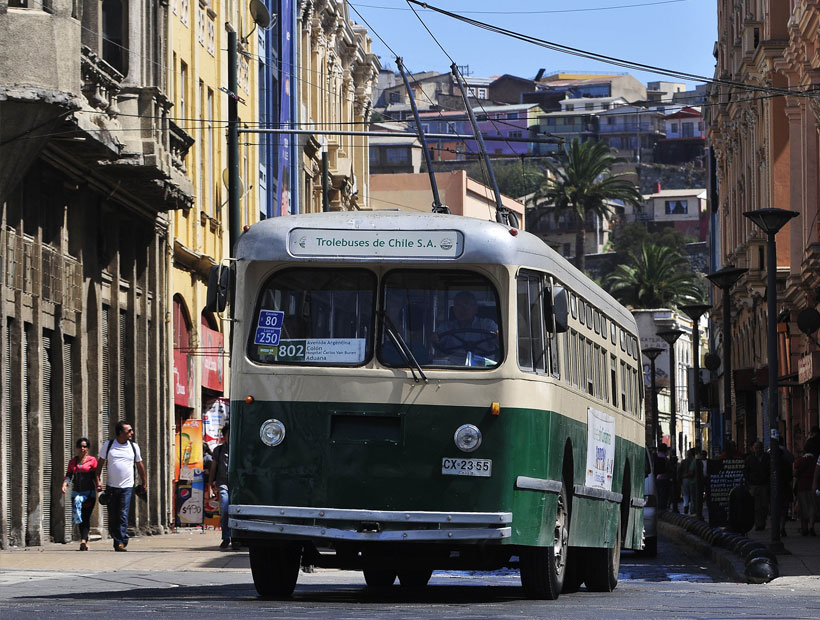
(412, 392)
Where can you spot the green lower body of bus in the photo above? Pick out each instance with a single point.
(362, 486)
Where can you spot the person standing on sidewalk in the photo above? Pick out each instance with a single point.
(123, 457)
(218, 483)
(757, 474)
(806, 509)
(81, 473)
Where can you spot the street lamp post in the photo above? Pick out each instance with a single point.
(652, 353)
(671, 336)
(694, 312)
(724, 279)
(770, 222)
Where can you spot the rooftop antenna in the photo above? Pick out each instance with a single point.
(502, 214)
(437, 206)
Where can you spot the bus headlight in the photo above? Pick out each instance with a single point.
(467, 438)
(272, 432)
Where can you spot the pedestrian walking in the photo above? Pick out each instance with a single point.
(806, 509)
(663, 482)
(81, 473)
(757, 472)
(687, 473)
(218, 484)
(120, 457)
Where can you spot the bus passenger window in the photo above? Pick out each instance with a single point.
(613, 375)
(531, 343)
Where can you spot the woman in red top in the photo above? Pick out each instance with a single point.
(80, 473)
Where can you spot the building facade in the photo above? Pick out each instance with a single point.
(337, 72)
(764, 145)
(92, 171)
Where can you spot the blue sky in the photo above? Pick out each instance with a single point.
(673, 34)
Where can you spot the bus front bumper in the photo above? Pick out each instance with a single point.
(368, 525)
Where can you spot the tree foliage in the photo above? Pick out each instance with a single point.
(627, 238)
(583, 184)
(515, 178)
(655, 277)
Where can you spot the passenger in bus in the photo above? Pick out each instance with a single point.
(468, 339)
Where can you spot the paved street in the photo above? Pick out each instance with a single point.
(185, 575)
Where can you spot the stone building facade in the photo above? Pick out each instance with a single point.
(764, 141)
(92, 166)
(337, 72)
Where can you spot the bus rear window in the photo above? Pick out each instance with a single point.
(314, 317)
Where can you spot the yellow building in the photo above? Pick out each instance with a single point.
(198, 80)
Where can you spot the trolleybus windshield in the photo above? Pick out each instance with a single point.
(314, 316)
(446, 318)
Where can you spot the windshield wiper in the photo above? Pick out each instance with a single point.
(402, 347)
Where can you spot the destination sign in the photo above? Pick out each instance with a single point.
(376, 243)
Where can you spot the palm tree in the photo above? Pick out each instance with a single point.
(655, 277)
(584, 184)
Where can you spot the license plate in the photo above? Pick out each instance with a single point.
(467, 467)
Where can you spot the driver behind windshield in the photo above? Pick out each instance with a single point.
(467, 339)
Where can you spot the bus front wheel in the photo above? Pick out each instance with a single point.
(415, 577)
(543, 568)
(275, 568)
(602, 566)
(379, 577)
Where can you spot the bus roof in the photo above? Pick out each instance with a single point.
(485, 242)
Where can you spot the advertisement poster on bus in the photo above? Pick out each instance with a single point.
(600, 449)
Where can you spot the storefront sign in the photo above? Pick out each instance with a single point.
(808, 367)
(212, 352)
(376, 243)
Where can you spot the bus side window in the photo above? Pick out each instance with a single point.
(613, 363)
(524, 339)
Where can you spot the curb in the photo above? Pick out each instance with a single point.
(744, 560)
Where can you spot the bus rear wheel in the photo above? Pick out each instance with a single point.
(543, 568)
(415, 577)
(275, 568)
(602, 566)
(379, 577)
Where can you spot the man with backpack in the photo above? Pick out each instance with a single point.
(123, 457)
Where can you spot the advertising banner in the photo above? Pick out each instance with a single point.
(213, 418)
(188, 453)
(213, 350)
(600, 449)
(182, 391)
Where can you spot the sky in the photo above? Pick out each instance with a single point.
(672, 34)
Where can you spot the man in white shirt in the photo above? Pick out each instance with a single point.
(122, 456)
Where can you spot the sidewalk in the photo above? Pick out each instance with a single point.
(187, 549)
(800, 556)
(803, 557)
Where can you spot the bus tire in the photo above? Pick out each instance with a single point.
(602, 566)
(574, 574)
(543, 568)
(379, 577)
(275, 568)
(415, 577)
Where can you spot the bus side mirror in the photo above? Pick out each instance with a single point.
(560, 309)
(219, 281)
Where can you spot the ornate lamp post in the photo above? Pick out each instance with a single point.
(770, 222)
(652, 353)
(694, 312)
(724, 279)
(671, 336)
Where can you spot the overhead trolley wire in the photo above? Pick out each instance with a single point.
(611, 60)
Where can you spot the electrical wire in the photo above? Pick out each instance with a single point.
(589, 9)
(565, 49)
